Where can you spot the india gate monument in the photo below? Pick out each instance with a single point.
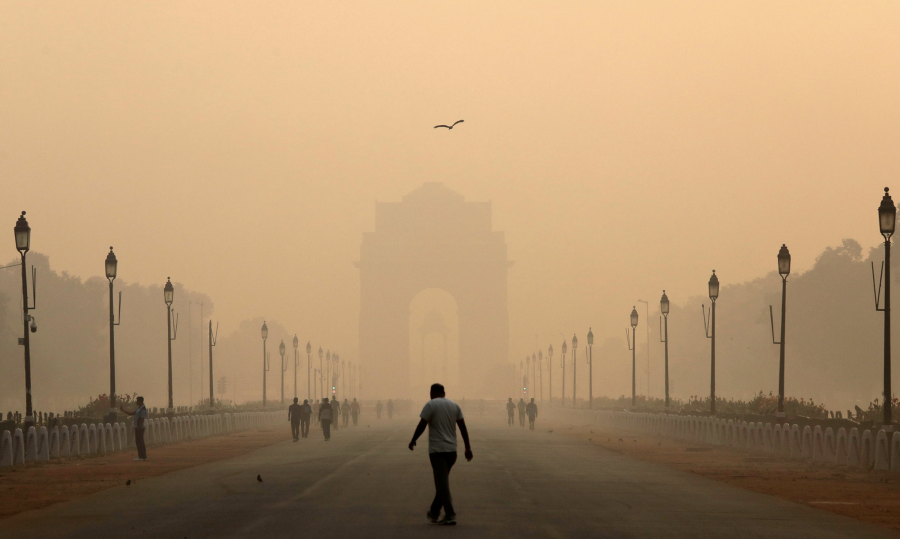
(433, 297)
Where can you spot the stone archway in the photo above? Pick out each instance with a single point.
(433, 238)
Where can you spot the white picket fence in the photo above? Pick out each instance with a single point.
(60, 442)
(868, 452)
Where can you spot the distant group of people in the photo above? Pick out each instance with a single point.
(390, 409)
(328, 414)
(530, 410)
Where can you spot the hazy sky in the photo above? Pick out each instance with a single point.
(626, 146)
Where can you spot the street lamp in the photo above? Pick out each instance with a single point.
(23, 244)
(319, 392)
(308, 351)
(887, 219)
(550, 370)
(710, 328)
(111, 267)
(265, 335)
(296, 361)
(664, 337)
(211, 341)
(574, 369)
(169, 297)
(281, 350)
(784, 269)
(564, 345)
(631, 347)
(327, 372)
(540, 357)
(590, 360)
(533, 371)
(527, 373)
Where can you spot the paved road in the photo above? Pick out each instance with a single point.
(366, 484)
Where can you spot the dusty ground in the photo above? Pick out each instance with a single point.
(40, 484)
(872, 497)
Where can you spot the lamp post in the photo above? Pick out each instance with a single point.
(265, 335)
(784, 269)
(296, 361)
(590, 360)
(526, 372)
(533, 371)
(540, 369)
(647, 306)
(308, 351)
(550, 371)
(111, 267)
(169, 296)
(316, 381)
(23, 244)
(574, 369)
(327, 372)
(664, 337)
(319, 393)
(281, 350)
(211, 341)
(634, 323)
(563, 403)
(710, 328)
(887, 219)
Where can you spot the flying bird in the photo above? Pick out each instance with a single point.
(450, 126)
(259, 478)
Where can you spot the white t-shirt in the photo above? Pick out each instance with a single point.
(442, 415)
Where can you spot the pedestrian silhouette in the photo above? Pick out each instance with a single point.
(442, 416)
(511, 411)
(531, 410)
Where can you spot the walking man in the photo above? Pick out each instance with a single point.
(390, 407)
(139, 417)
(305, 413)
(325, 417)
(531, 410)
(345, 412)
(354, 411)
(521, 407)
(441, 416)
(294, 418)
(316, 411)
(378, 408)
(511, 411)
(336, 411)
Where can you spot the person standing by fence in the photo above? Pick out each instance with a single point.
(138, 418)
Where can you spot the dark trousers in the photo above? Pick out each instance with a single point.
(326, 427)
(304, 427)
(531, 421)
(440, 465)
(295, 428)
(355, 419)
(139, 442)
(512, 418)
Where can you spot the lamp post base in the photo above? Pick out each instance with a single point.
(889, 427)
(779, 415)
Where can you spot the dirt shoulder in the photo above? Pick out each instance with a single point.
(40, 484)
(873, 497)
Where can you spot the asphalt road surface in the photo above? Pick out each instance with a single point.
(365, 483)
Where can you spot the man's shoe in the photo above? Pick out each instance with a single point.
(448, 521)
(431, 518)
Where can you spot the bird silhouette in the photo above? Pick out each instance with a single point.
(259, 478)
(450, 126)
(128, 483)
